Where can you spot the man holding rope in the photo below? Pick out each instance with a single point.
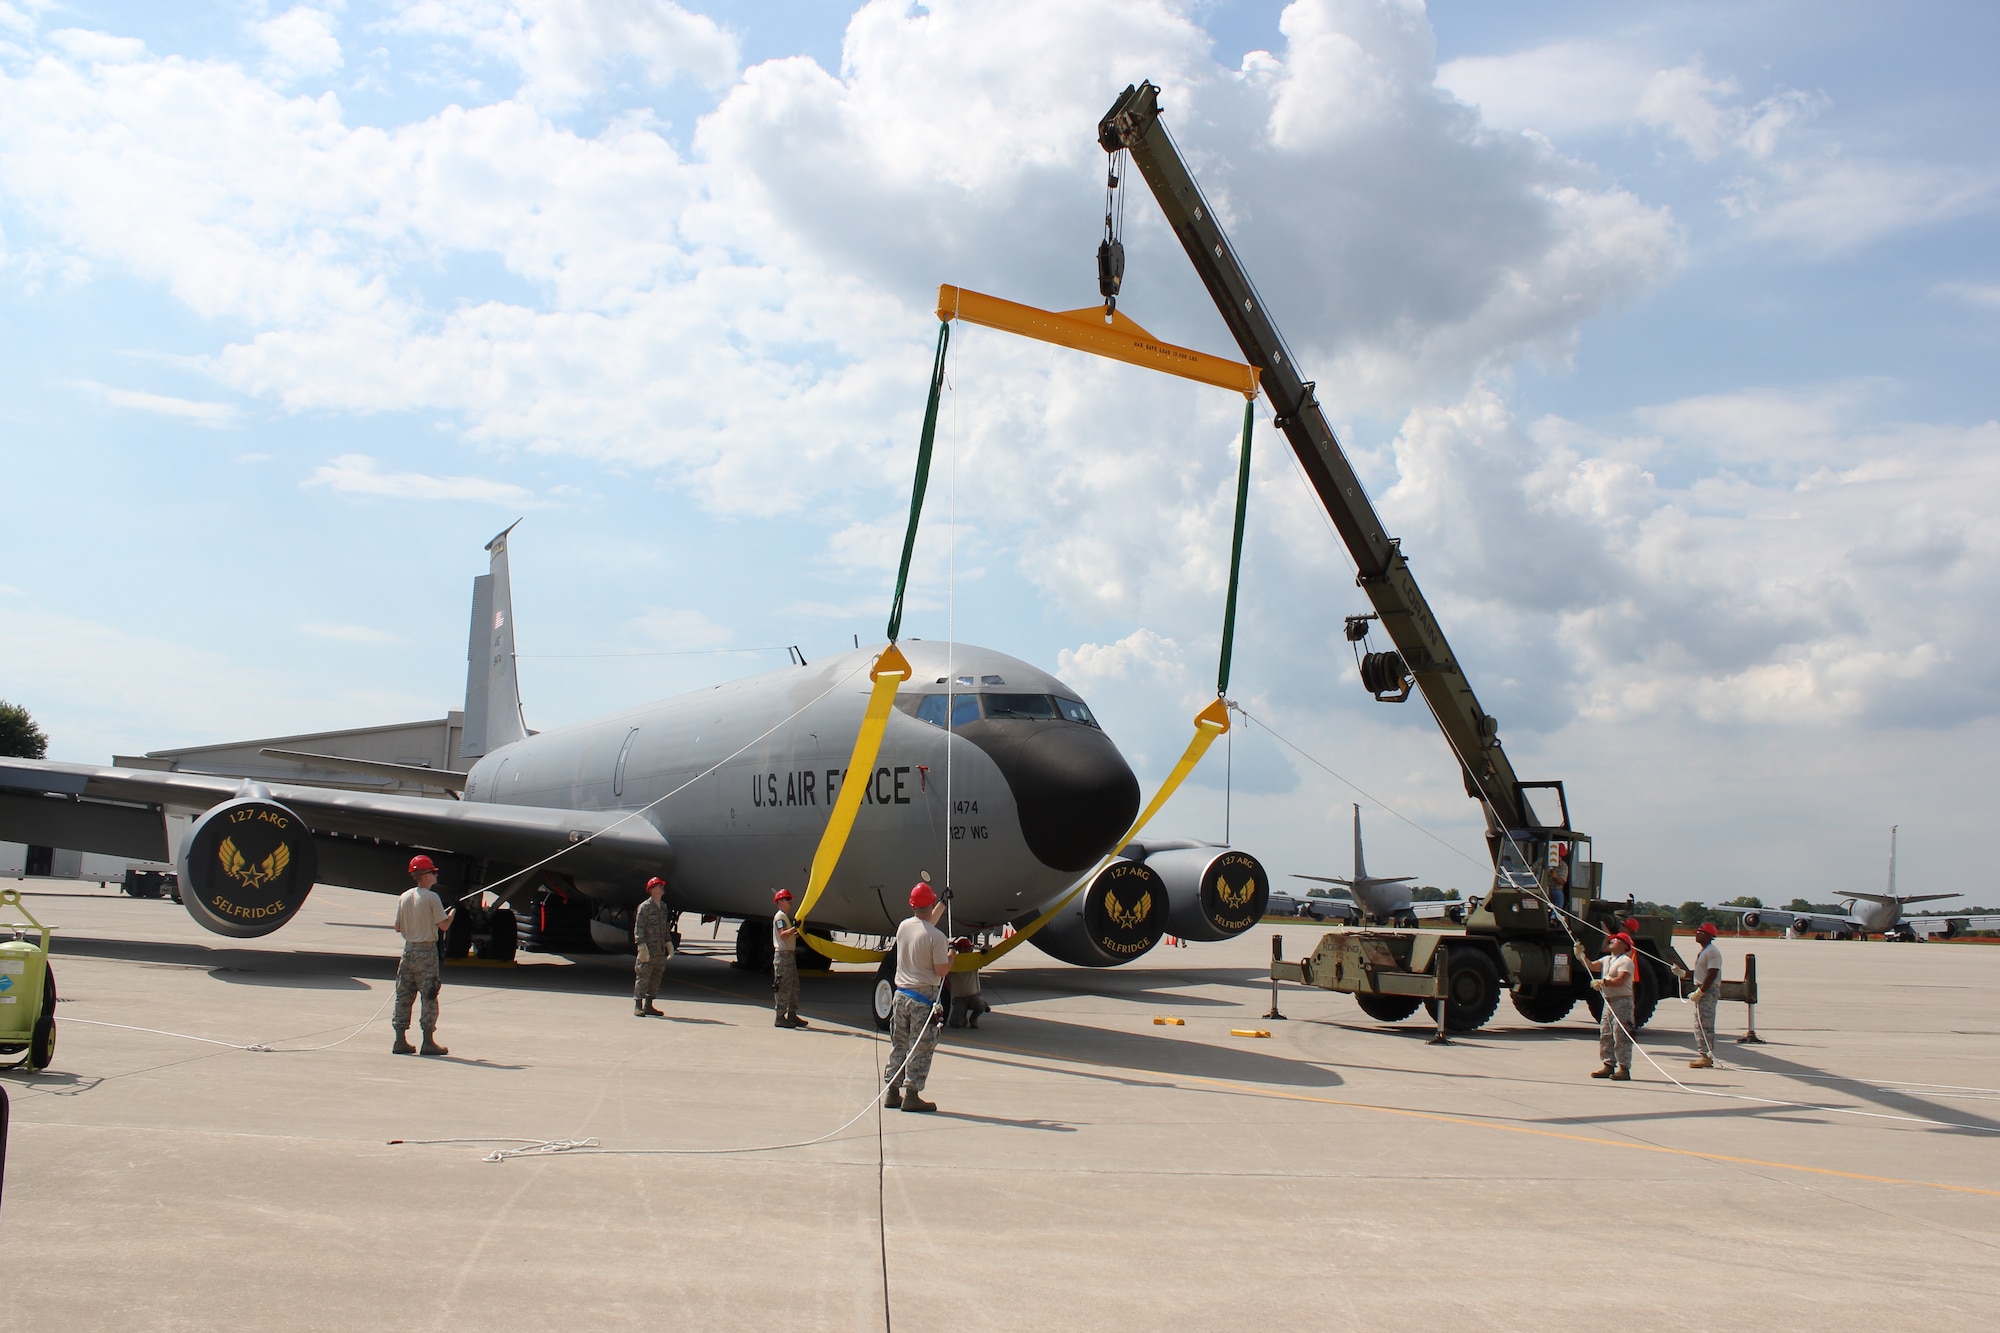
(1707, 991)
(923, 961)
(1618, 983)
(420, 915)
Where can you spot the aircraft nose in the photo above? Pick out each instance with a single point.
(1075, 793)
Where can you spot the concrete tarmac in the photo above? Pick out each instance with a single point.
(1088, 1169)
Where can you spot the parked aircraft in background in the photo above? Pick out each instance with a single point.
(1378, 899)
(1867, 914)
(724, 792)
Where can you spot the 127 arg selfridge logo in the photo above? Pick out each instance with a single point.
(805, 786)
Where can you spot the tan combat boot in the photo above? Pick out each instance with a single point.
(402, 1046)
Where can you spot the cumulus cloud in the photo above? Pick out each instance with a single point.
(1780, 176)
(300, 43)
(358, 474)
(566, 49)
(1841, 583)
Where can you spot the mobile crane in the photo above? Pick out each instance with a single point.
(1514, 938)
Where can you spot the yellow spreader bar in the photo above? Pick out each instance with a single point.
(1209, 723)
(1087, 330)
(891, 669)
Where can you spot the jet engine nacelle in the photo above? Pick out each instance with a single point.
(1213, 893)
(1120, 916)
(1752, 920)
(246, 867)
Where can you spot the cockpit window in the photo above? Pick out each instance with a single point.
(1076, 710)
(1021, 705)
(969, 708)
(964, 709)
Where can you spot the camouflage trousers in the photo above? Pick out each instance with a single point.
(417, 975)
(646, 979)
(912, 1037)
(1704, 1023)
(785, 988)
(1614, 1032)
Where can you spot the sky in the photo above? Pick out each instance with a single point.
(1661, 335)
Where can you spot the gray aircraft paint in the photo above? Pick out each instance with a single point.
(754, 823)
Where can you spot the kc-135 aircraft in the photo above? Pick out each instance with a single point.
(724, 792)
(1377, 899)
(1868, 914)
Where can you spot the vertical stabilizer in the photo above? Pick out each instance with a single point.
(1892, 860)
(472, 738)
(492, 687)
(1360, 867)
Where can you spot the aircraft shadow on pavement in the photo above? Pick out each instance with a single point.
(289, 978)
(1169, 1054)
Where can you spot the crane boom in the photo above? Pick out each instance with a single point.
(1134, 124)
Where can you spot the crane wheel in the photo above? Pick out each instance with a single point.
(1550, 1006)
(1474, 993)
(1388, 1008)
(1646, 998)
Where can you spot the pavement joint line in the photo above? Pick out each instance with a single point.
(1475, 1123)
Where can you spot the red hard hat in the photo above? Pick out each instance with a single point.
(781, 893)
(1621, 935)
(421, 865)
(655, 882)
(1631, 925)
(1706, 928)
(922, 896)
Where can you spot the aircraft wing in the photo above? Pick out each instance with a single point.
(1782, 917)
(1324, 879)
(120, 812)
(1928, 926)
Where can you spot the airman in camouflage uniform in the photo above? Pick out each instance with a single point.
(785, 963)
(420, 915)
(655, 941)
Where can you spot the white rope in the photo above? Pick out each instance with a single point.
(593, 1148)
(265, 1047)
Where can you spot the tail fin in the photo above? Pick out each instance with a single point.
(1892, 860)
(1360, 869)
(492, 687)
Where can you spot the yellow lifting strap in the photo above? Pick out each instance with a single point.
(1087, 330)
(890, 671)
(1209, 723)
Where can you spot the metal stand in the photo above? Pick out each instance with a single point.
(1277, 953)
(1444, 997)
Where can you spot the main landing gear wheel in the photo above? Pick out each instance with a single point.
(1474, 992)
(1550, 1006)
(503, 935)
(1388, 1008)
(883, 993)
